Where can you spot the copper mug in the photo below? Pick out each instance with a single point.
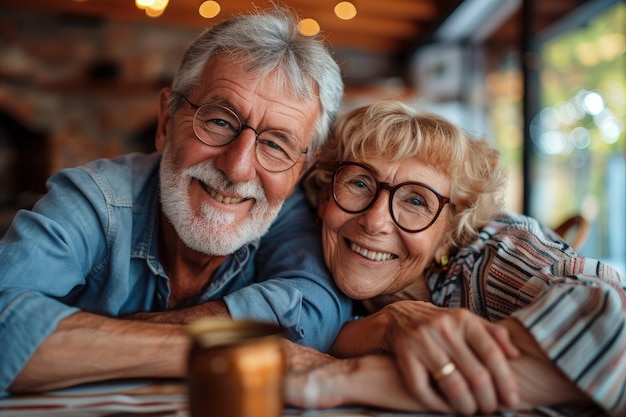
(235, 369)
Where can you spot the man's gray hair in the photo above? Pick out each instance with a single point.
(262, 42)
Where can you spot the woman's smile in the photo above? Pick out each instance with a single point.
(369, 253)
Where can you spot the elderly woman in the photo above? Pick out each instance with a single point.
(475, 310)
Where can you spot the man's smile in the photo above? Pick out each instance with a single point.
(221, 197)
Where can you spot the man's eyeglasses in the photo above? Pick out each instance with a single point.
(414, 206)
(216, 125)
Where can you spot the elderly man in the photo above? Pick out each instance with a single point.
(96, 280)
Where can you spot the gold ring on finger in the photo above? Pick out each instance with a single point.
(446, 370)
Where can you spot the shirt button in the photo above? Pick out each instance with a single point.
(159, 296)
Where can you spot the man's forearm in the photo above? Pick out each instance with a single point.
(184, 315)
(86, 347)
(343, 382)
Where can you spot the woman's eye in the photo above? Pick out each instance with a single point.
(359, 184)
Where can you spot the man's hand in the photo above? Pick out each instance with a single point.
(303, 358)
(371, 380)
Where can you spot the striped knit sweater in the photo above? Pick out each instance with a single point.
(574, 307)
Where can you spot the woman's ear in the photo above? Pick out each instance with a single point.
(308, 168)
(164, 119)
(323, 201)
(441, 255)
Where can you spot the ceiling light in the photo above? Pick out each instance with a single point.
(156, 8)
(150, 12)
(209, 9)
(308, 27)
(142, 4)
(159, 4)
(345, 10)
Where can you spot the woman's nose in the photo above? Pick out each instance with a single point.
(377, 219)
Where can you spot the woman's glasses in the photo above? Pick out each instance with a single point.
(414, 206)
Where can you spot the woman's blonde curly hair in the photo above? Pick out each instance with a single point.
(395, 130)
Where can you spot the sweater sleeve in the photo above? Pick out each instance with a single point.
(578, 319)
(574, 307)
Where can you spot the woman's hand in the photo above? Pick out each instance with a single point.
(425, 339)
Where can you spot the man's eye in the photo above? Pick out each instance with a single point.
(221, 123)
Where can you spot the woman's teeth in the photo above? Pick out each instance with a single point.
(369, 254)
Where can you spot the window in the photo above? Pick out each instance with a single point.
(578, 135)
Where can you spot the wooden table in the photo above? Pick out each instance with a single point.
(148, 398)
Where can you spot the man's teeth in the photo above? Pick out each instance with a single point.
(369, 254)
(224, 199)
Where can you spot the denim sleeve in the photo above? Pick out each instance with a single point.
(43, 257)
(292, 285)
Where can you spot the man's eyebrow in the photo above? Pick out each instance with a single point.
(220, 101)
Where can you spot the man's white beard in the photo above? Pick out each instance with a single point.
(212, 231)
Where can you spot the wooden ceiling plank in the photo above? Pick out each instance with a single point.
(406, 9)
(370, 25)
(387, 27)
(383, 46)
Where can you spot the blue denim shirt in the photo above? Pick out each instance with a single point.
(91, 244)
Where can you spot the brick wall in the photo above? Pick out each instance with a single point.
(74, 89)
(89, 86)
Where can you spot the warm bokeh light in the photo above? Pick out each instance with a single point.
(309, 27)
(587, 54)
(611, 45)
(345, 10)
(209, 9)
(142, 4)
(153, 8)
(159, 4)
(150, 12)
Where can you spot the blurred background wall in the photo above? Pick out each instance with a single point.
(545, 82)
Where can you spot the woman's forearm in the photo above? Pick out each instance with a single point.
(360, 337)
(540, 381)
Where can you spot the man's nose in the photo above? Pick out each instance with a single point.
(238, 159)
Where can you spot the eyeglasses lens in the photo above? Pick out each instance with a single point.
(217, 125)
(413, 206)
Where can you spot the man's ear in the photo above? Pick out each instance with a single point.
(164, 119)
